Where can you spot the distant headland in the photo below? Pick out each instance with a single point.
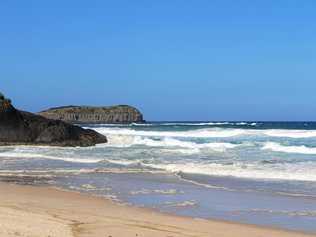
(94, 115)
(20, 127)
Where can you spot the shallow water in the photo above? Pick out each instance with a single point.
(253, 172)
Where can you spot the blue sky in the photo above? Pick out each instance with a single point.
(173, 59)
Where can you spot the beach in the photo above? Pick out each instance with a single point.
(257, 173)
(158, 119)
(44, 211)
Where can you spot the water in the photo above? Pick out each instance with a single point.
(253, 172)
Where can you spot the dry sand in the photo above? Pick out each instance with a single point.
(41, 211)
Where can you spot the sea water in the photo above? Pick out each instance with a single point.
(252, 172)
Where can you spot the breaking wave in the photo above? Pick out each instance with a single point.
(290, 133)
(206, 124)
(236, 152)
(127, 141)
(273, 146)
(209, 132)
(199, 133)
(298, 172)
(21, 155)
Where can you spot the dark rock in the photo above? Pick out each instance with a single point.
(19, 127)
(89, 114)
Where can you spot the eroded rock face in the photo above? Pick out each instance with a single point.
(89, 114)
(19, 127)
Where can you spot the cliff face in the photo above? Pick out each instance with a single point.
(19, 127)
(89, 114)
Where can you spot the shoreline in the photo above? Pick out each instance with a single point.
(27, 210)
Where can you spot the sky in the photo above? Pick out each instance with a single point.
(173, 59)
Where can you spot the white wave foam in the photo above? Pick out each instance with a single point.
(200, 133)
(55, 172)
(142, 124)
(302, 171)
(310, 213)
(184, 151)
(155, 191)
(244, 124)
(127, 141)
(196, 124)
(158, 124)
(170, 142)
(189, 203)
(273, 146)
(124, 162)
(290, 133)
(209, 132)
(24, 155)
(299, 172)
(241, 123)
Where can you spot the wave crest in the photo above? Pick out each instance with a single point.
(209, 132)
(273, 146)
(127, 141)
(198, 133)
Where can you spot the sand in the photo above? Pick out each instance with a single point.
(42, 211)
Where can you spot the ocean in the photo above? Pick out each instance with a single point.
(252, 172)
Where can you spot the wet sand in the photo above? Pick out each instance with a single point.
(43, 211)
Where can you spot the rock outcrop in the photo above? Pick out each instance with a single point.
(19, 127)
(89, 114)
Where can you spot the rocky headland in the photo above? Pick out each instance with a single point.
(20, 127)
(94, 115)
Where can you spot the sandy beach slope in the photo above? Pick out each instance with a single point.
(47, 212)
